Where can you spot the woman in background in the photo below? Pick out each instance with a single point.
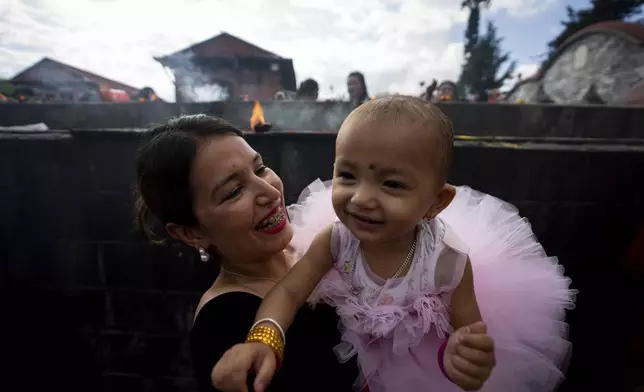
(308, 90)
(357, 88)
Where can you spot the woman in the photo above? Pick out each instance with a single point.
(357, 88)
(199, 182)
(309, 90)
(447, 91)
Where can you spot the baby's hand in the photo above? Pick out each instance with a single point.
(469, 356)
(231, 372)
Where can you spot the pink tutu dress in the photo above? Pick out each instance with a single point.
(396, 326)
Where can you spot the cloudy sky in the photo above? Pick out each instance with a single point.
(395, 43)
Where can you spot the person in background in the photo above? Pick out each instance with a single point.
(494, 95)
(357, 88)
(447, 91)
(308, 90)
(147, 94)
(200, 183)
(428, 94)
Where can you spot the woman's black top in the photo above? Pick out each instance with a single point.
(310, 363)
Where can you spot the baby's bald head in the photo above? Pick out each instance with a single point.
(419, 122)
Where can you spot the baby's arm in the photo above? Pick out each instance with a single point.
(464, 308)
(289, 294)
(467, 357)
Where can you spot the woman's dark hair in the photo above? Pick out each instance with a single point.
(308, 88)
(360, 76)
(163, 165)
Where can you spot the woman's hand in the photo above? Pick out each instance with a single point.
(469, 356)
(230, 374)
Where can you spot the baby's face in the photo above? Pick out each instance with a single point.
(384, 178)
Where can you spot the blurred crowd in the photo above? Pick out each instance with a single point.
(358, 92)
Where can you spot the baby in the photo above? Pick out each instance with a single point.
(402, 255)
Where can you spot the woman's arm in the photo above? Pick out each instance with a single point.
(464, 307)
(221, 323)
(289, 294)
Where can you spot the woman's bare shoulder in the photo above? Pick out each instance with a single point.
(222, 292)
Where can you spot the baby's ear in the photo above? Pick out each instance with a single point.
(444, 197)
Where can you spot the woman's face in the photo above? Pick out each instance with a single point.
(238, 201)
(354, 87)
(314, 95)
(446, 91)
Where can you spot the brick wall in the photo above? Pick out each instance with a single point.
(91, 305)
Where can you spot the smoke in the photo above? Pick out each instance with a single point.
(306, 115)
(204, 93)
(194, 84)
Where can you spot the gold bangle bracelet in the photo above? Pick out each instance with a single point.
(270, 337)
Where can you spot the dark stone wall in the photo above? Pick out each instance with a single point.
(90, 305)
(469, 118)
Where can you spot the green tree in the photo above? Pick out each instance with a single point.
(599, 11)
(471, 36)
(483, 69)
(473, 21)
(483, 56)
